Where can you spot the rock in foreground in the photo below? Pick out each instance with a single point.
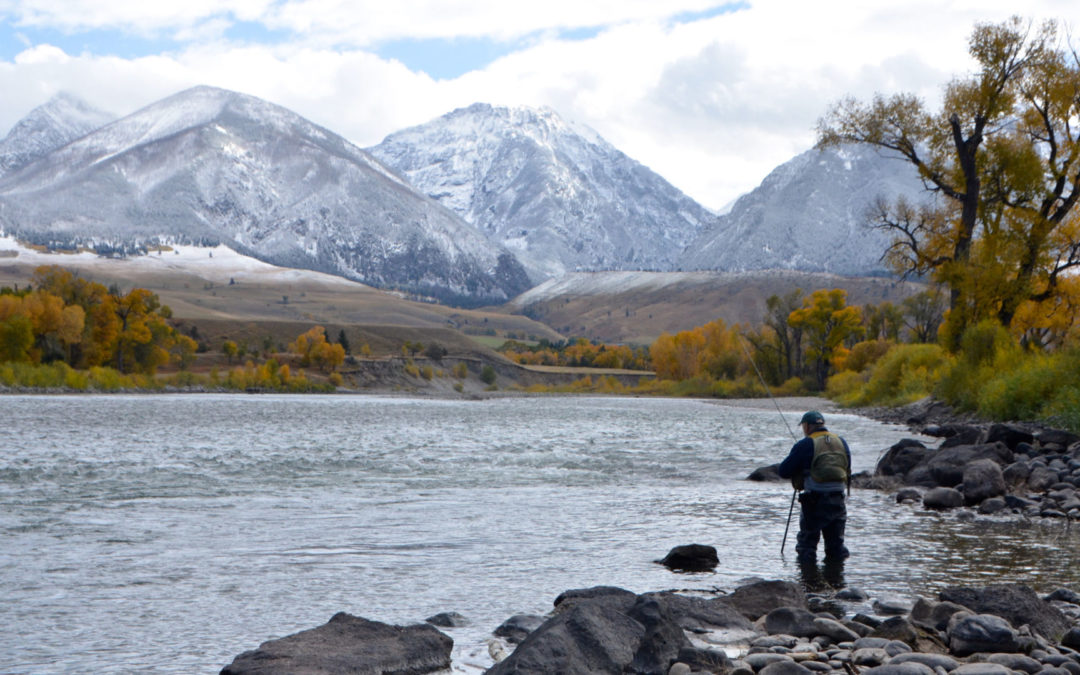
(349, 644)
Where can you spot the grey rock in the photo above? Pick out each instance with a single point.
(943, 661)
(896, 647)
(756, 599)
(759, 661)
(517, 628)
(943, 498)
(871, 643)
(626, 597)
(1071, 639)
(1017, 603)
(691, 558)
(1018, 662)
(902, 457)
(981, 669)
(908, 494)
(834, 630)
(741, 667)
(910, 668)
(784, 668)
(790, 621)
(693, 612)
(893, 605)
(850, 593)
(992, 505)
(861, 629)
(982, 633)
(982, 480)
(1011, 435)
(770, 641)
(600, 634)
(349, 644)
(896, 628)
(869, 656)
(947, 465)
(447, 620)
(707, 660)
(766, 474)
(1016, 473)
(1041, 478)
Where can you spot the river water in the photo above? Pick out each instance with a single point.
(170, 533)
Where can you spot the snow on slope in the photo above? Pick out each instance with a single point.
(556, 194)
(212, 166)
(809, 214)
(51, 125)
(219, 264)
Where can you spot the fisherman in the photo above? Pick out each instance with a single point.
(820, 466)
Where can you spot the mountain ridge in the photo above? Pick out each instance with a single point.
(554, 192)
(212, 165)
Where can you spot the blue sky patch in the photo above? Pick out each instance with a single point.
(446, 59)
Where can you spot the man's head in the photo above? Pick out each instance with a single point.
(810, 421)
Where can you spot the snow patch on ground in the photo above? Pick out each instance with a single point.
(219, 264)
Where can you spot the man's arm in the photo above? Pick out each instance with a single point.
(798, 460)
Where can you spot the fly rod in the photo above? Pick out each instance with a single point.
(794, 492)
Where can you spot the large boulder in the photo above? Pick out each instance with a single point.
(1009, 434)
(902, 457)
(947, 464)
(349, 644)
(982, 479)
(696, 613)
(756, 599)
(600, 635)
(1016, 603)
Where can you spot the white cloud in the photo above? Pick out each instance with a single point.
(712, 105)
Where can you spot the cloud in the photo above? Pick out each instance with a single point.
(710, 96)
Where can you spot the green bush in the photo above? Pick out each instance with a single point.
(488, 375)
(986, 351)
(904, 374)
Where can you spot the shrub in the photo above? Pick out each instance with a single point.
(488, 375)
(986, 350)
(905, 374)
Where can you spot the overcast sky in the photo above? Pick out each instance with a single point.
(710, 95)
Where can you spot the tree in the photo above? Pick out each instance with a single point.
(1002, 160)
(923, 314)
(230, 349)
(828, 322)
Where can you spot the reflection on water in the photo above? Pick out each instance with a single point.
(172, 532)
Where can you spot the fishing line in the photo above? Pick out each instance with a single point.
(791, 509)
(764, 386)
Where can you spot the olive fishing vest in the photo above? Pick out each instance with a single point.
(830, 463)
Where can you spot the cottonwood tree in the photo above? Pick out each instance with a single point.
(827, 322)
(1002, 158)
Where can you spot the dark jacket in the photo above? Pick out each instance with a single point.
(798, 461)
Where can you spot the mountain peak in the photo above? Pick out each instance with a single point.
(53, 124)
(553, 192)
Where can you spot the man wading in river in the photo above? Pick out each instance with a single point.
(820, 466)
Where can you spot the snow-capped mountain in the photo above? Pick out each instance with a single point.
(556, 194)
(809, 215)
(211, 165)
(60, 120)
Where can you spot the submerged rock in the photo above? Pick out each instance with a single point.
(691, 558)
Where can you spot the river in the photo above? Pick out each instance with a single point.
(171, 532)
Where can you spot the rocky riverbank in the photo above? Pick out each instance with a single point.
(760, 628)
(1018, 468)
